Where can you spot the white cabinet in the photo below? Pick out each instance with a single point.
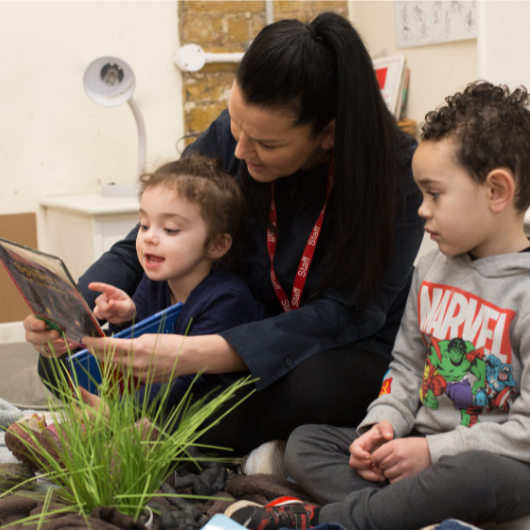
(79, 228)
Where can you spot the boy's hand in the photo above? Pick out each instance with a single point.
(113, 305)
(362, 449)
(402, 458)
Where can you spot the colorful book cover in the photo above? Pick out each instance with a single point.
(404, 92)
(49, 290)
(88, 369)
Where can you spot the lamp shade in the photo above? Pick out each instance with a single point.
(109, 81)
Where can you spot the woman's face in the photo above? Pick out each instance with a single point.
(270, 144)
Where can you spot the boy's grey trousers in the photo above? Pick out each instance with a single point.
(471, 486)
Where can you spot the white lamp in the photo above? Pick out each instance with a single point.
(191, 57)
(109, 81)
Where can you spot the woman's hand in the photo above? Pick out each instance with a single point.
(160, 358)
(47, 342)
(149, 357)
(113, 305)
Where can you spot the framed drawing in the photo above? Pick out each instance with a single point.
(420, 22)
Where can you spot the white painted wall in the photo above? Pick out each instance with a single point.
(53, 138)
(437, 70)
(503, 41)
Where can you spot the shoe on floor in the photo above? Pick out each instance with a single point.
(242, 504)
(34, 442)
(266, 459)
(238, 505)
(285, 512)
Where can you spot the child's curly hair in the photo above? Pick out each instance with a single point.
(202, 181)
(491, 127)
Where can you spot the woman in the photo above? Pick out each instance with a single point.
(326, 175)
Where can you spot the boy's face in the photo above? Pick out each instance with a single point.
(455, 207)
(171, 242)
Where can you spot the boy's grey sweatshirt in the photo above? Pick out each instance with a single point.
(461, 368)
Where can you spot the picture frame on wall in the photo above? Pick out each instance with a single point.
(425, 22)
(390, 71)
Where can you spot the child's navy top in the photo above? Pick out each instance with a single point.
(221, 301)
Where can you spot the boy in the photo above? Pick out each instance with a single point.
(449, 434)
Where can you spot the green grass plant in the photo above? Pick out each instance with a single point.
(105, 460)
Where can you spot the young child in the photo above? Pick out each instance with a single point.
(449, 435)
(190, 218)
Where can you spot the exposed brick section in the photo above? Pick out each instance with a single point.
(307, 10)
(219, 26)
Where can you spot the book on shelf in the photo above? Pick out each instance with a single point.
(46, 285)
(404, 93)
(390, 73)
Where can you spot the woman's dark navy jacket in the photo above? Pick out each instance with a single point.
(274, 346)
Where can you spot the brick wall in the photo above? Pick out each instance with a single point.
(219, 26)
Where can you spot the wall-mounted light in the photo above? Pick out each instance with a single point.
(110, 82)
(191, 57)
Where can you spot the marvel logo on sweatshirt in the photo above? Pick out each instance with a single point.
(469, 353)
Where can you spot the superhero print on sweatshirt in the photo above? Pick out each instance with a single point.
(469, 354)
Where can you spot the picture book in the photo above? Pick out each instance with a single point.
(52, 295)
(49, 290)
(405, 93)
(87, 368)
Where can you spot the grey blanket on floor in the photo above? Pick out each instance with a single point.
(187, 514)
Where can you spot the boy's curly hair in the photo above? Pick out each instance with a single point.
(202, 181)
(491, 128)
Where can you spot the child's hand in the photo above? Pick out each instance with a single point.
(93, 403)
(362, 449)
(402, 458)
(113, 305)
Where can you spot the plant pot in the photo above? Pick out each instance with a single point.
(147, 518)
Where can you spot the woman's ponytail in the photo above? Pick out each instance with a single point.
(322, 71)
(368, 145)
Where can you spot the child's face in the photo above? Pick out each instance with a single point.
(171, 242)
(455, 207)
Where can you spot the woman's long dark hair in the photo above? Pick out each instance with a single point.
(322, 71)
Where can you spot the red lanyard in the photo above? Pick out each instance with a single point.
(307, 256)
